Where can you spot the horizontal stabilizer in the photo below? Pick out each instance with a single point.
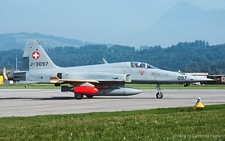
(4, 73)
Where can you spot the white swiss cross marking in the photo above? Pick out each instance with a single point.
(35, 55)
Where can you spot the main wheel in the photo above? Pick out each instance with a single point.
(89, 96)
(159, 95)
(78, 96)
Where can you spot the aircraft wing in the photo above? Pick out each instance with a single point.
(93, 78)
(54, 80)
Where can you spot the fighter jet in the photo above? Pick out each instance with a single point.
(106, 79)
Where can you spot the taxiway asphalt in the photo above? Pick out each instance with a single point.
(31, 102)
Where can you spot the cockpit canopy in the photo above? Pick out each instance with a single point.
(142, 65)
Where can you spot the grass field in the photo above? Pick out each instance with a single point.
(159, 124)
(177, 86)
(138, 86)
(184, 123)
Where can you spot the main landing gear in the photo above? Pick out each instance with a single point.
(80, 96)
(89, 96)
(159, 94)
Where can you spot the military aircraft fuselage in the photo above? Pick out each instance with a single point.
(102, 79)
(113, 71)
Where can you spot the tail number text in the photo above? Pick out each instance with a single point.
(39, 64)
(182, 77)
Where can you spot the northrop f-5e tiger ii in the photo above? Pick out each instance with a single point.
(93, 80)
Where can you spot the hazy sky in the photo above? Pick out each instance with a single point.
(98, 21)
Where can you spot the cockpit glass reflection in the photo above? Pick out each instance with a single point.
(142, 65)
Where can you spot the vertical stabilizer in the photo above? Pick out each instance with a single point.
(35, 57)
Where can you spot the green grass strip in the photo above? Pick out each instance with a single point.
(185, 123)
(178, 86)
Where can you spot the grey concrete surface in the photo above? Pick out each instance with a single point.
(31, 102)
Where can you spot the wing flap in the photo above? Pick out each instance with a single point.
(110, 80)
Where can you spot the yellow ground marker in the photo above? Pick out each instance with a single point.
(199, 104)
(1, 79)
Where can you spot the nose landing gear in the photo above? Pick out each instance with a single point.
(159, 94)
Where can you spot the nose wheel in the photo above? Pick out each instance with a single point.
(159, 94)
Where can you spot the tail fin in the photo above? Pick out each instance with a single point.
(35, 58)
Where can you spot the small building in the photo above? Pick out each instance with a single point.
(219, 79)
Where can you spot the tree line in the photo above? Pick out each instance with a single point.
(196, 56)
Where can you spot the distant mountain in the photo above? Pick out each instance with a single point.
(18, 40)
(184, 22)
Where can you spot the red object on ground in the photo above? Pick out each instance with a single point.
(87, 90)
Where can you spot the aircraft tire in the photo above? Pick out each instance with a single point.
(78, 96)
(89, 96)
(159, 95)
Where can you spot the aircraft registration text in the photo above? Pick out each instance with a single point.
(39, 64)
(182, 77)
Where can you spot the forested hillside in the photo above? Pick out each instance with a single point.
(18, 40)
(195, 56)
